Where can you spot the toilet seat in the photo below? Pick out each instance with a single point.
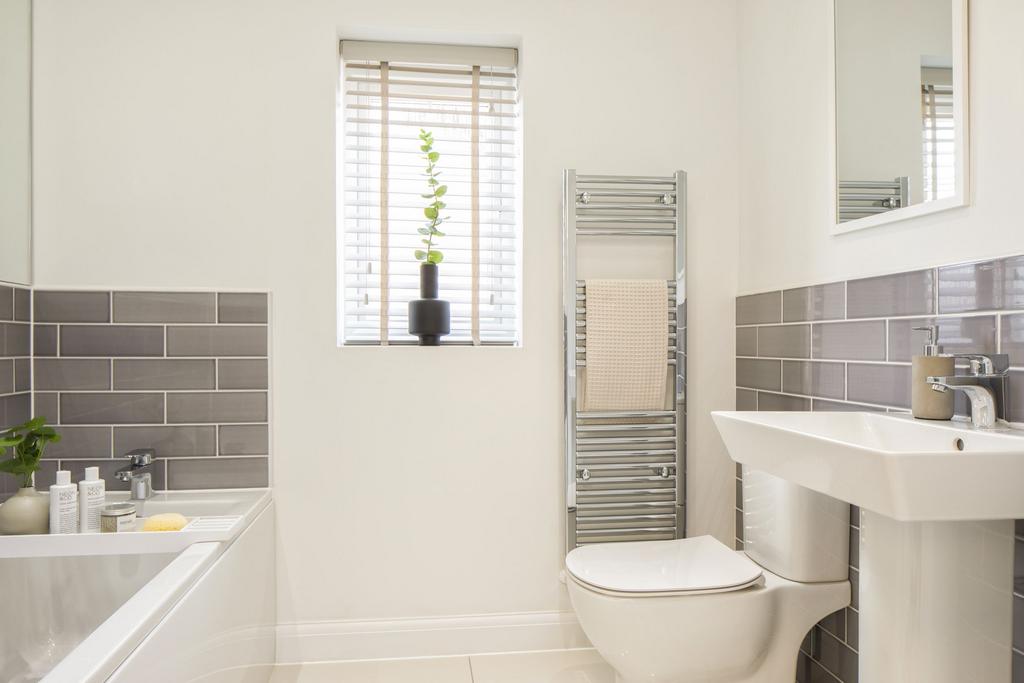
(686, 566)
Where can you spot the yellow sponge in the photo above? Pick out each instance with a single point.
(168, 521)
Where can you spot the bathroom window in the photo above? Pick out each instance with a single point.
(467, 98)
(938, 133)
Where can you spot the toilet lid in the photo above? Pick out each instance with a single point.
(687, 564)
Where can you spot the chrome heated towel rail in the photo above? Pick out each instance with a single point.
(625, 470)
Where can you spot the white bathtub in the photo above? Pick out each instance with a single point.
(155, 607)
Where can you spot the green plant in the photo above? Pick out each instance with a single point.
(27, 442)
(436, 206)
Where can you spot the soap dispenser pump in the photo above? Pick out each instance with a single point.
(924, 402)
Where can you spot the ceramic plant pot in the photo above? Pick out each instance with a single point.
(26, 512)
(429, 317)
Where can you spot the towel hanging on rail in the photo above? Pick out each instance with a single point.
(627, 338)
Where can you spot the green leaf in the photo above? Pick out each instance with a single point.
(435, 257)
(420, 254)
(430, 212)
(433, 156)
(439, 192)
(432, 183)
(437, 233)
(423, 231)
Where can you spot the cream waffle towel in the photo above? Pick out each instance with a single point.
(627, 342)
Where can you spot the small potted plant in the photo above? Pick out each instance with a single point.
(26, 512)
(429, 316)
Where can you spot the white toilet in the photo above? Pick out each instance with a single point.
(694, 611)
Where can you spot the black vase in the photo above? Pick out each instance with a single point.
(429, 317)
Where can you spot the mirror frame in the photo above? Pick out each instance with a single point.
(961, 127)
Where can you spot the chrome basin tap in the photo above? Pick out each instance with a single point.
(982, 372)
(139, 472)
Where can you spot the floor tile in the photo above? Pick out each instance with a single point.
(434, 670)
(562, 666)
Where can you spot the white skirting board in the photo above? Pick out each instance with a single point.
(428, 637)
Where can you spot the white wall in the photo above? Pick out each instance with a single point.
(785, 198)
(191, 144)
(15, 141)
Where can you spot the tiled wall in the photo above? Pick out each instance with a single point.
(848, 346)
(185, 373)
(15, 373)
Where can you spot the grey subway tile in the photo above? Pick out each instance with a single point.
(887, 385)
(15, 340)
(22, 304)
(244, 440)
(45, 477)
(242, 307)
(242, 374)
(46, 406)
(66, 374)
(117, 408)
(80, 442)
(1018, 623)
(784, 341)
(22, 374)
(164, 373)
(1015, 398)
(837, 657)
(217, 341)
(216, 473)
(1012, 337)
(854, 549)
(746, 341)
(164, 307)
(72, 307)
(739, 523)
(1017, 675)
(812, 378)
(217, 407)
(1018, 566)
(6, 302)
(975, 334)
(759, 308)
(849, 341)
(168, 442)
(853, 628)
(820, 302)
(890, 295)
(739, 494)
(769, 401)
(746, 399)
(15, 409)
(984, 286)
(835, 624)
(45, 340)
(759, 373)
(6, 375)
(854, 588)
(114, 340)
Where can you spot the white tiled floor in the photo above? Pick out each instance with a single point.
(561, 666)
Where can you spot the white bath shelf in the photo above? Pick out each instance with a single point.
(213, 516)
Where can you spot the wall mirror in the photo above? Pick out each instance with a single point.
(900, 110)
(16, 141)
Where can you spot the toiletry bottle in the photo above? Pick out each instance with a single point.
(926, 403)
(91, 498)
(63, 505)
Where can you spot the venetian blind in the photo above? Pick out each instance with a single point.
(466, 97)
(938, 138)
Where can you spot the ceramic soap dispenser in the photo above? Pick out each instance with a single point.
(926, 403)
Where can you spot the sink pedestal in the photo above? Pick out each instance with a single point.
(935, 600)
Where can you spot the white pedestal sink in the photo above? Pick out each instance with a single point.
(936, 546)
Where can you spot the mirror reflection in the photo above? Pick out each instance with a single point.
(895, 128)
(15, 141)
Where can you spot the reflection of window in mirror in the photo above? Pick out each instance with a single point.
(938, 135)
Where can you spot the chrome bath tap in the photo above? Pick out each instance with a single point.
(139, 473)
(983, 369)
